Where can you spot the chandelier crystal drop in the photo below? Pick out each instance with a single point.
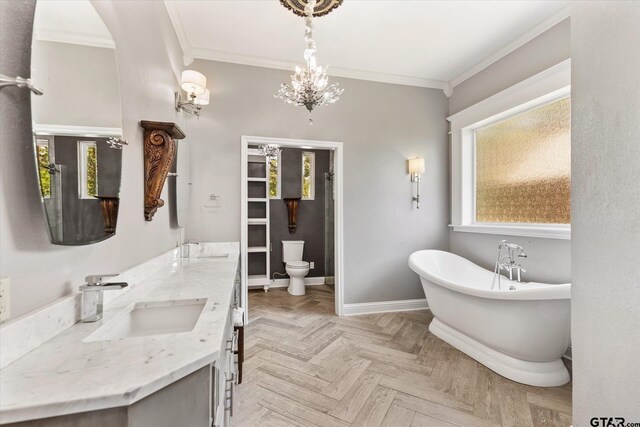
(310, 85)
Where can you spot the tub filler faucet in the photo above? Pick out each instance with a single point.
(508, 262)
(92, 295)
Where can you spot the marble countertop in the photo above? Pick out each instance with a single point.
(66, 375)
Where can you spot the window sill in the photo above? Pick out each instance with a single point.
(550, 231)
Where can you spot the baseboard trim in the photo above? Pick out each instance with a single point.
(385, 306)
(284, 283)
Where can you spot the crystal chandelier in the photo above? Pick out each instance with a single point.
(271, 151)
(309, 85)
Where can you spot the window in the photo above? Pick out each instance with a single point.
(87, 169)
(273, 165)
(511, 160)
(523, 167)
(44, 161)
(308, 175)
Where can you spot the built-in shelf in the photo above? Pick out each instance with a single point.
(257, 205)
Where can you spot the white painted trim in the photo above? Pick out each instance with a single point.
(385, 306)
(86, 131)
(71, 37)
(544, 87)
(284, 283)
(518, 42)
(545, 231)
(174, 16)
(338, 209)
(255, 61)
(553, 78)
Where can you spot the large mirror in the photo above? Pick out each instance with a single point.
(77, 123)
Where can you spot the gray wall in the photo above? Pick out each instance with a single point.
(549, 260)
(381, 126)
(606, 196)
(310, 223)
(149, 58)
(80, 85)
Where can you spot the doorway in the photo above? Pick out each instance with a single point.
(332, 179)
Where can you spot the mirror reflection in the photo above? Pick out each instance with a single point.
(77, 123)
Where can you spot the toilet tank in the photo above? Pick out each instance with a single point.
(292, 250)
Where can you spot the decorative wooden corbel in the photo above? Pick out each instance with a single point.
(109, 207)
(292, 208)
(159, 152)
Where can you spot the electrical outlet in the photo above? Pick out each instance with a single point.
(312, 265)
(5, 299)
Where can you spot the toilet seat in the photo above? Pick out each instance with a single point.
(298, 264)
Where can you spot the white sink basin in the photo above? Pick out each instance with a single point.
(151, 318)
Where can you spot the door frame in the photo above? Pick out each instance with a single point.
(337, 147)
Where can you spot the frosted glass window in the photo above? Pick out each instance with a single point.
(523, 167)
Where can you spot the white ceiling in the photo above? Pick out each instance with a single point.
(68, 21)
(421, 43)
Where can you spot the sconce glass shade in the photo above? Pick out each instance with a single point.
(416, 165)
(203, 99)
(193, 82)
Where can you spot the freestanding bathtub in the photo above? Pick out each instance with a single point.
(520, 333)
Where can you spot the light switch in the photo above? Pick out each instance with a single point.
(213, 201)
(312, 265)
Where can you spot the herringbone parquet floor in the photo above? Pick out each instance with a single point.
(306, 367)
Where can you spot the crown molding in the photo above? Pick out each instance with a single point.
(190, 53)
(216, 55)
(174, 16)
(534, 32)
(72, 130)
(71, 37)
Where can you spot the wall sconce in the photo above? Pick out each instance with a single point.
(416, 167)
(195, 85)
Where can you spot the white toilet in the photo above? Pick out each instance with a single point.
(296, 268)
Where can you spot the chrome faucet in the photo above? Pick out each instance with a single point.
(508, 262)
(92, 296)
(185, 249)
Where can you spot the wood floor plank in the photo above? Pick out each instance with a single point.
(353, 372)
(398, 416)
(421, 420)
(293, 376)
(297, 411)
(356, 397)
(441, 412)
(426, 392)
(375, 409)
(303, 395)
(543, 417)
(514, 407)
(486, 403)
(274, 419)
